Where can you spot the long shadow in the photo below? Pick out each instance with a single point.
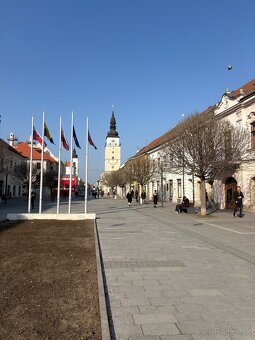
(6, 225)
(106, 294)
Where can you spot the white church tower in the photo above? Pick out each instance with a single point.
(112, 147)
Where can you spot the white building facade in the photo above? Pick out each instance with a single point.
(239, 108)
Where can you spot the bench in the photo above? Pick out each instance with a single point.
(190, 209)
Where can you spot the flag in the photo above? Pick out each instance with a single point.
(47, 134)
(64, 141)
(91, 141)
(75, 139)
(37, 137)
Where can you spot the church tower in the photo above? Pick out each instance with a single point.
(112, 147)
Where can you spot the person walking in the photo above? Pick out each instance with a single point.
(32, 199)
(143, 196)
(129, 198)
(155, 199)
(238, 196)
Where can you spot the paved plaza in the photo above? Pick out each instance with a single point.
(175, 276)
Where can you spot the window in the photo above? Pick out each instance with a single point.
(179, 188)
(253, 135)
(38, 166)
(19, 190)
(112, 157)
(14, 191)
(171, 188)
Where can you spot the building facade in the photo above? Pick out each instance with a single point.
(238, 107)
(12, 165)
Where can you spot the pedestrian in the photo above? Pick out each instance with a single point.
(183, 206)
(238, 196)
(155, 199)
(132, 193)
(143, 196)
(32, 199)
(129, 198)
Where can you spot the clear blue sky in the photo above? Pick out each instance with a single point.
(153, 59)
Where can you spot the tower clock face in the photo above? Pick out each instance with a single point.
(112, 161)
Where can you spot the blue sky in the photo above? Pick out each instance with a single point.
(153, 59)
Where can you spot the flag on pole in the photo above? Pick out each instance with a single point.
(37, 137)
(64, 141)
(75, 139)
(48, 134)
(91, 141)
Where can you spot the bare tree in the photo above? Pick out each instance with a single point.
(207, 147)
(139, 169)
(111, 179)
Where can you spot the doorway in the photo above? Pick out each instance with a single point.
(230, 186)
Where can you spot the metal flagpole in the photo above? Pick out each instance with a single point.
(30, 166)
(86, 167)
(41, 177)
(59, 162)
(71, 167)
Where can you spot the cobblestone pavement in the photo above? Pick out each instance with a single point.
(174, 276)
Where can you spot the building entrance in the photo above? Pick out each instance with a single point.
(230, 186)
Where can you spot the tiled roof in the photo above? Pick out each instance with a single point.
(247, 88)
(5, 145)
(24, 149)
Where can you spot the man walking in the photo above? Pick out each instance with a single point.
(238, 196)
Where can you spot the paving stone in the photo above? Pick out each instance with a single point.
(145, 282)
(205, 292)
(157, 309)
(149, 337)
(154, 318)
(123, 311)
(160, 329)
(194, 316)
(135, 301)
(154, 293)
(176, 337)
(123, 331)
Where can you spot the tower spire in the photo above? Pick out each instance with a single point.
(112, 132)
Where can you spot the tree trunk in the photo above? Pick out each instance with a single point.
(203, 198)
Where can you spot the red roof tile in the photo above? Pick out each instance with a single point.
(247, 88)
(24, 149)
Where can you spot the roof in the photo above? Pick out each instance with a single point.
(24, 149)
(5, 145)
(247, 88)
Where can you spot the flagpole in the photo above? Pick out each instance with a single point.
(41, 177)
(59, 162)
(30, 166)
(86, 167)
(71, 167)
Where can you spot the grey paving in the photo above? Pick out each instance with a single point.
(175, 276)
